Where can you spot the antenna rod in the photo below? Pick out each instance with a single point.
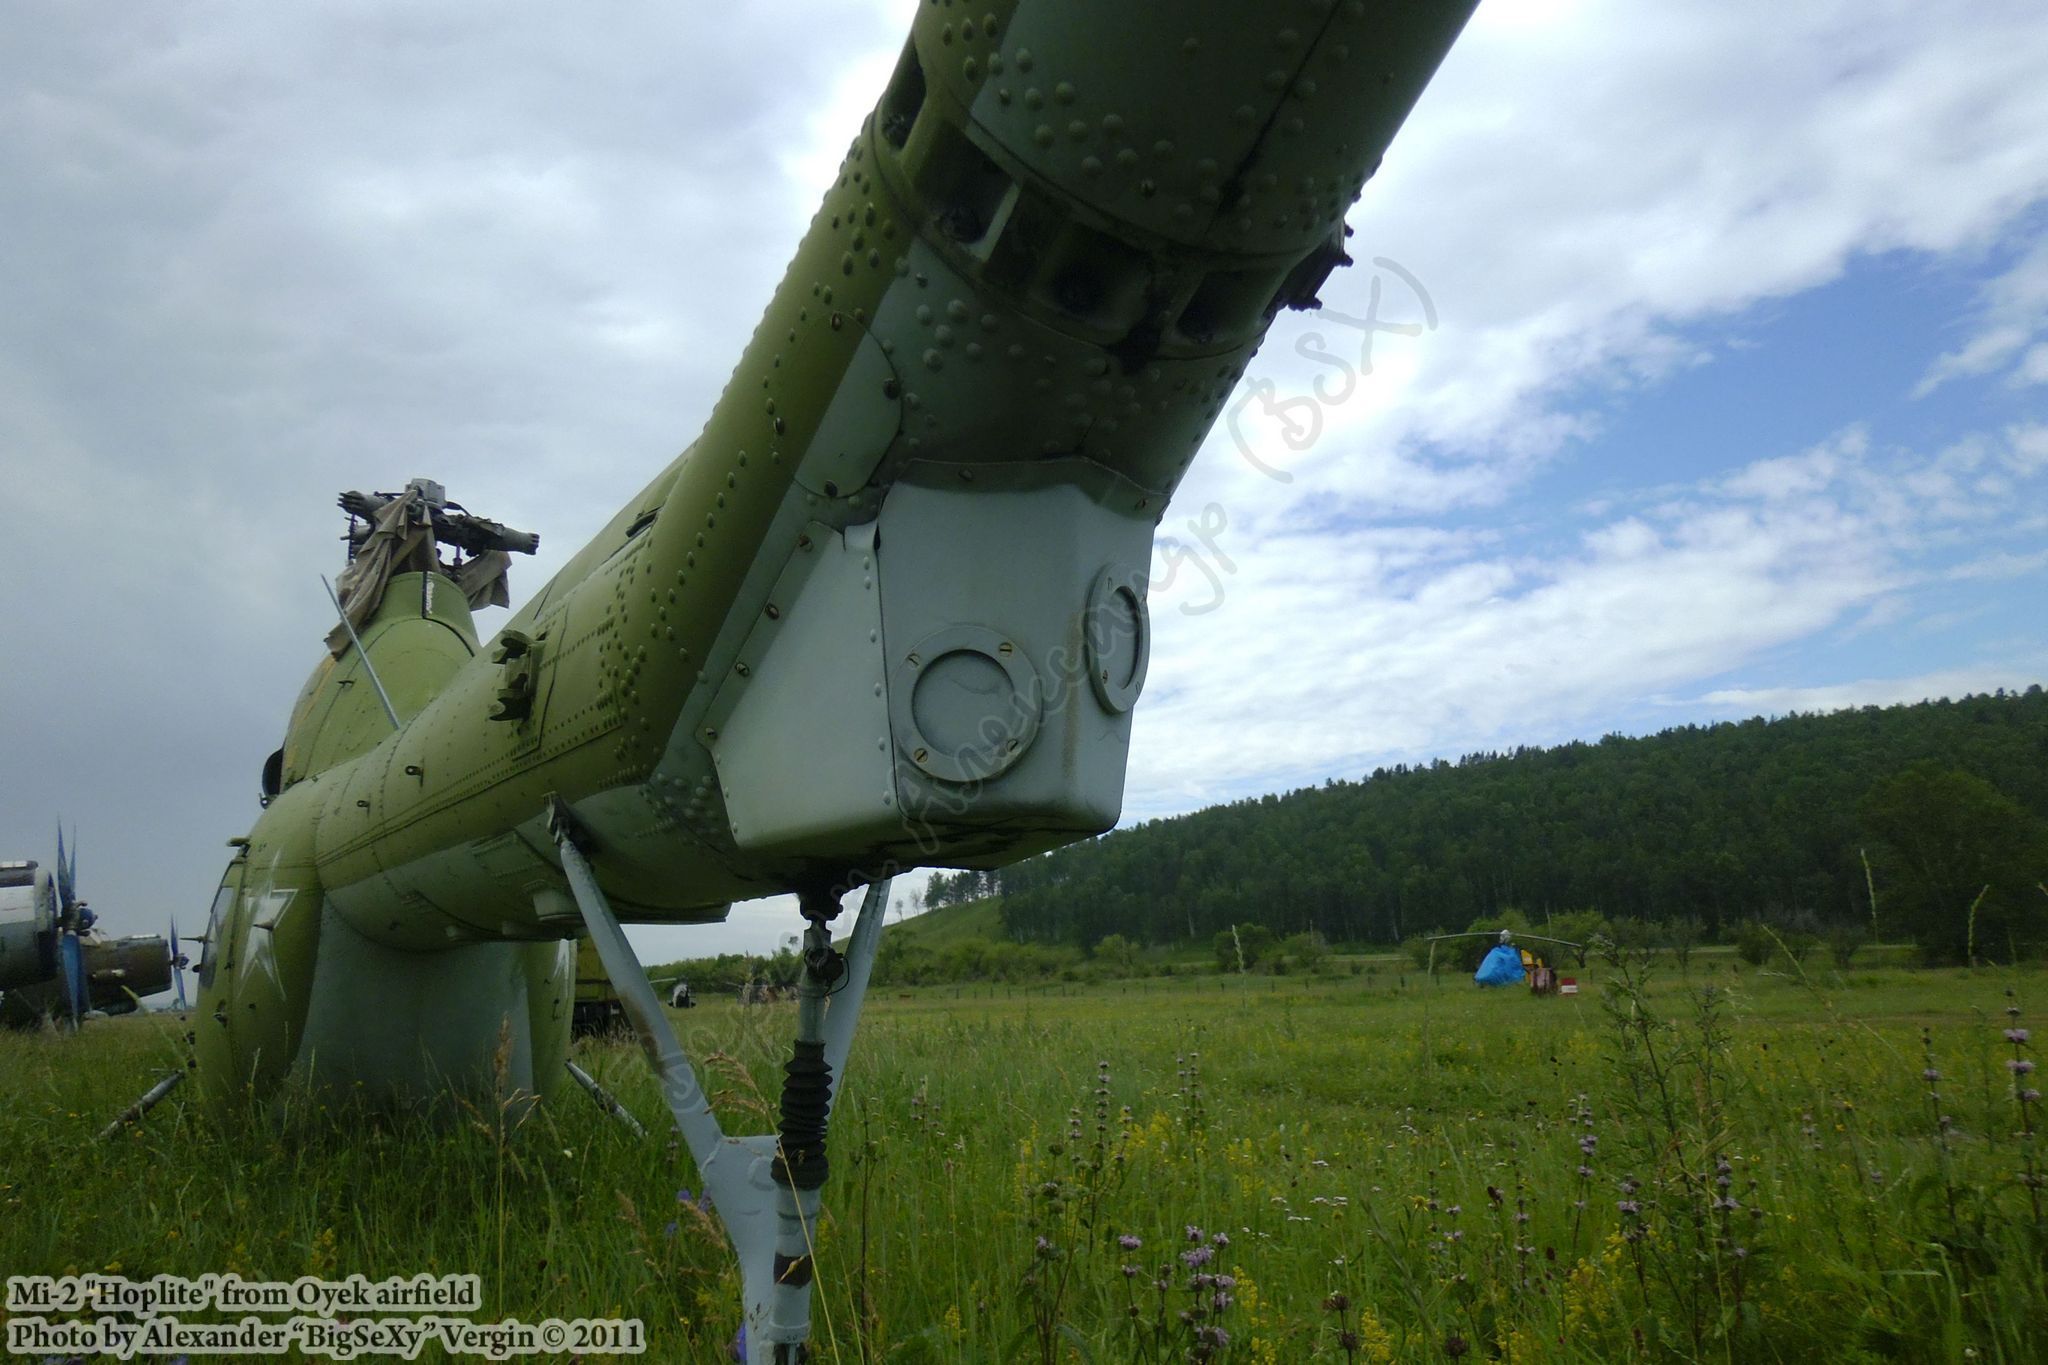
(356, 640)
(134, 1112)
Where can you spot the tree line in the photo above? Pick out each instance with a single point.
(1937, 812)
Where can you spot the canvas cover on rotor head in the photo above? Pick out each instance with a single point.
(402, 539)
(1502, 967)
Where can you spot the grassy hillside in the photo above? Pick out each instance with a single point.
(947, 925)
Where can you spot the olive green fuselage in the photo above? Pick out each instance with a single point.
(888, 609)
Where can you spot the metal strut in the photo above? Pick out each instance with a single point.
(605, 1099)
(134, 1112)
(765, 1188)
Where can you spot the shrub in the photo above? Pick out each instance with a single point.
(1240, 947)
(1753, 942)
(1800, 934)
(1117, 953)
(1635, 934)
(1304, 952)
(1418, 950)
(1507, 918)
(1683, 934)
(1579, 926)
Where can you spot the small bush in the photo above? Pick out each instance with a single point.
(1302, 952)
(1753, 943)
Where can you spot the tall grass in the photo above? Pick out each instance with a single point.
(1730, 1167)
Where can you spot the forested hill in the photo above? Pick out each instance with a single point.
(1719, 823)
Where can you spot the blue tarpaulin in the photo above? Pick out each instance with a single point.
(1502, 967)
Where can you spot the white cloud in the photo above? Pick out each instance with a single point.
(1796, 475)
(1948, 683)
(2033, 366)
(2000, 566)
(2012, 311)
(1587, 191)
(1489, 639)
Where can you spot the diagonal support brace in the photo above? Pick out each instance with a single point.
(770, 1218)
(604, 1098)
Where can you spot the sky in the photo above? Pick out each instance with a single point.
(1692, 368)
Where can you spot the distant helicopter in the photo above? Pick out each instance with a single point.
(53, 962)
(887, 611)
(1505, 964)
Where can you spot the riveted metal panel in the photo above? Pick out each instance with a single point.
(803, 754)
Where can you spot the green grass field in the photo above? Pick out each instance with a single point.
(1348, 1168)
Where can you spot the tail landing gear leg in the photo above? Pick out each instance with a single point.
(765, 1189)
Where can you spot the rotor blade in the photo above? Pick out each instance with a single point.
(75, 986)
(177, 965)
(63, 873)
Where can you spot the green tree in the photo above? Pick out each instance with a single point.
(1578, 926)
(1753, 942)
(1958, 863)
(1117, 953)
(1682, 934)
(1632, 932)
(1508, 918)
(1241, 946)
(1800, 933)
(1304, 952)
(1421, 952)
(1844, 940)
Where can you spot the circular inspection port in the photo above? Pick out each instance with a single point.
(1118, 631)
(964, 704)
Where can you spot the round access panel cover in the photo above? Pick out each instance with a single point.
(964, 704)
(1119, 637)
